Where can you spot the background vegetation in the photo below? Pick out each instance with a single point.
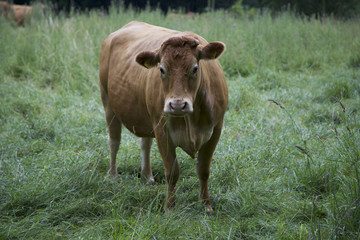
(343, 8)
(286, 167)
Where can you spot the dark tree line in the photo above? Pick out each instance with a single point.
(339, 8)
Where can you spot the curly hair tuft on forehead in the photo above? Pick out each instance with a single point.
(180, 42)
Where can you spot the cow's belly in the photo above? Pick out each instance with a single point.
(138, 125)
(132, 113)
(190, 138)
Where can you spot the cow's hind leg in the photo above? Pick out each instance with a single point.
(114, 126)
(146, 172)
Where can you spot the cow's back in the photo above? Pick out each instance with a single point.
(124, 44)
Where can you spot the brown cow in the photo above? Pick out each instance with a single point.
(4, 8)
(20, 13)
(165, 84)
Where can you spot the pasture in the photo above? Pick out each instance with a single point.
(287, 165)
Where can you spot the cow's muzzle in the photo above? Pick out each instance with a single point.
(178, 107)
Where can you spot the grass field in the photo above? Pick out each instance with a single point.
(287, 165)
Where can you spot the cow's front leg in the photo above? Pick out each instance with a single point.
(172, 175)
(168, 154)
(203, 166)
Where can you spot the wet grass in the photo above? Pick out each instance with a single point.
(286, 167)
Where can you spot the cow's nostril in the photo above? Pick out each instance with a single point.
(184, 105)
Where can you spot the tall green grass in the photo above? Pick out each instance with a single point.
(286, 167)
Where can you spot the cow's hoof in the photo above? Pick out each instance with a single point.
(209, 210)
(113, 172)
(170, 203)
(148, 180)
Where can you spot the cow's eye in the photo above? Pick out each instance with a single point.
(195, 69)
(162, 70)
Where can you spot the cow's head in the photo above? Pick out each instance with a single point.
(178, 62)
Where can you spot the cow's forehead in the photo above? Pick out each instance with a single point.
(181, 41)
(179, 49)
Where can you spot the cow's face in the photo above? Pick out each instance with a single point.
(179, 68)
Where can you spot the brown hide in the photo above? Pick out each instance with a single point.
(165, 84)
(4, 8)
(20, 13)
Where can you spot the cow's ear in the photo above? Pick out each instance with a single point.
(212, 50)
(148, 59)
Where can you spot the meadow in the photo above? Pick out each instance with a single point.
(287, 165)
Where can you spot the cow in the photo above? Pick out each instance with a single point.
(4, 8)
(164, 84)
(20, 13)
